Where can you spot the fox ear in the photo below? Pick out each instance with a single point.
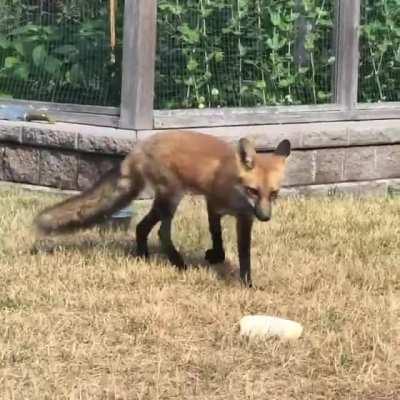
(247, 153)
(283, 148)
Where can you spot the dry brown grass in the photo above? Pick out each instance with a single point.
(88, 322)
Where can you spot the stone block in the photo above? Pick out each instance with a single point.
(21, 164)
(376, 133)
(116, 144)
(359, 164)
(388, 161)
(329, 165)
(355, 189)
(325, 138)
(47, 137)
(92, 167)
(58, 169)
(10, 133)
(300, 168)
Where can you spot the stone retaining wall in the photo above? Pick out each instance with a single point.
(68, 156)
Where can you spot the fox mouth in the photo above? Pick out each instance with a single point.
(261, 216)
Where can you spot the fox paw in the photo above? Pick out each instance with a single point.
(214, 256)
(142, 253)
(176, 259)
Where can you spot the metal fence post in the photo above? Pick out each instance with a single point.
(138, 64)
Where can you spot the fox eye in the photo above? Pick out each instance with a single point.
(273, 195)
(253, 192)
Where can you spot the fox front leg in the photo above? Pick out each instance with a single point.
(217, 253)
(243, 228)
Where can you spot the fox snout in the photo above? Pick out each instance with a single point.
(263, 211)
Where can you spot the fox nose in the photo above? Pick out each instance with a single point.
(263, 214)
(264, 218)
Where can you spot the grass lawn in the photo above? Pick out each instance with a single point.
(83, 320)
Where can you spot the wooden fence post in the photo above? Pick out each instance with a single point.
(138, 64)
(347, 52)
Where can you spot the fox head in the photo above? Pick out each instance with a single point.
(261, 176)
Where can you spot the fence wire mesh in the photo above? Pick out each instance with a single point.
(217, 53)
(60, 51)
(379, 75)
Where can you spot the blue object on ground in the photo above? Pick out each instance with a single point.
(14, 112)
(126, 212)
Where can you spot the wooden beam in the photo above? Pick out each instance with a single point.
(72, 113)
(194, 118)
(85, 118)
(62, 107)
(376, 111)
(138, 64)
(347, 52)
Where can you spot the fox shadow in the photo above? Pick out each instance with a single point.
(225, 271)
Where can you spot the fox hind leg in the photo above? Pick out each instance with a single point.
(163, 210)
(167, 210)
(144, 228)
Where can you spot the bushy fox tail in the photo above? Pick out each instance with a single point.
(111, 193)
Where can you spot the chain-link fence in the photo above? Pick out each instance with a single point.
(379, 78)
(61, 51)
(215, 53)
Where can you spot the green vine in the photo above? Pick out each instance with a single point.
(58, 51)
(380, 51)
(211, 53)
(217, 53)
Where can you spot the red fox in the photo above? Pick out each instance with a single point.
(237, 182)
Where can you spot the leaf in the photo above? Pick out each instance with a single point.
(22, 72)
(192, 64)
(283, 83)
(189, 35)
(323, 96)
(53, 65)
(9, 62)
(4, 42)
(31, 38)
(219, 56)
(19, 47)
(39, 55)
(30, 28)
(66, 50)
(275, 17)
(189, 82)
(76, 74)
(303, 70)
(261, 84)
(48, 29)
(275, 43)
(242, 50)
(174, 9)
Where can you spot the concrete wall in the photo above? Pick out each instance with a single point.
(348, 156)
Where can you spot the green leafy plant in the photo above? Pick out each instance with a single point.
(380, 51)
(214, 53)
(211, 53)
(59, 52)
